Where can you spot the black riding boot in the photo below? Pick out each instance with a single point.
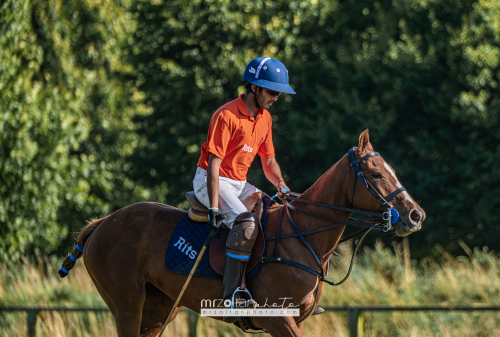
(239, 249)
(233, 276)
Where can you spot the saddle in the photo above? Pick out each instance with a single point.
(217, 249)
(199, 213)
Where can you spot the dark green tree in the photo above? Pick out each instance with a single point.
(420, 75)
(65, 121)
(105, 104)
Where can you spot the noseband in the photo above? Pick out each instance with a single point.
(383, 219)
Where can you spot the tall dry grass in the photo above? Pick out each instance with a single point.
(379, 277)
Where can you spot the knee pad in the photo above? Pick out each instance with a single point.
(242, 237)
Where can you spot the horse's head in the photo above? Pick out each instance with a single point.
(383, 178)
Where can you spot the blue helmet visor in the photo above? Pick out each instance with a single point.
(281, 87)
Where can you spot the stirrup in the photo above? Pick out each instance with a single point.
(239, 290)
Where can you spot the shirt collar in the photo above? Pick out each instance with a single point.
(243, 108)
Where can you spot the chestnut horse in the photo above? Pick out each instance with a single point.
(125, 251)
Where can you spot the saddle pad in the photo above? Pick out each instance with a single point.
(184, 246)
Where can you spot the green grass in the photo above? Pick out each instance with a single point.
(379, 277)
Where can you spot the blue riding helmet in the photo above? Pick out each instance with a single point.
(268, 73)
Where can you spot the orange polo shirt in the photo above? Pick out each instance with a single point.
(236, 137)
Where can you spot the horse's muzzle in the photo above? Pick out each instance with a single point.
(410, 223)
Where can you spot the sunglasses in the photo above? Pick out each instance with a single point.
(273, 93)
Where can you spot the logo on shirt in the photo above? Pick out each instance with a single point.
(247, 148)
(251, 70)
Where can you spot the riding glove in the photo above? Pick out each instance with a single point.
(215, 222)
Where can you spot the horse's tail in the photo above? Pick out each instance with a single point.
(77, 252)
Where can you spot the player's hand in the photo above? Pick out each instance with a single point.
(282, 188)
(215, 222)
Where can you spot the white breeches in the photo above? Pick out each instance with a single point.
(231, 194)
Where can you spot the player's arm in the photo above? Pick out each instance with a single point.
(273, 172)
(213, 180)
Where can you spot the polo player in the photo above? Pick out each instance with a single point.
(238, 131)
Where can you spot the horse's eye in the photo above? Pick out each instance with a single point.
(376, 175)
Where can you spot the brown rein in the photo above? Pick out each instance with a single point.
(351, 221)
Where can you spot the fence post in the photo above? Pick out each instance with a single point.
(361, 324)
(353, 318)
(32, 316)
(193, 323)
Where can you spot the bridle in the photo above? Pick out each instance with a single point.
(384, 202)
(383, 219)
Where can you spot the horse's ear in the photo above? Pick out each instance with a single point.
(364, 141)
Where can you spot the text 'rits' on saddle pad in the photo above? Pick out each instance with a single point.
(186, 243)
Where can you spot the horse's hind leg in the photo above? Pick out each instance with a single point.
(103, 295)
(155, 311)
(128, 313)
(136, 316)
(125, 300)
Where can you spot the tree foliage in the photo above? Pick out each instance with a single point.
(106, 103)
(421, 75)
(65, 125)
